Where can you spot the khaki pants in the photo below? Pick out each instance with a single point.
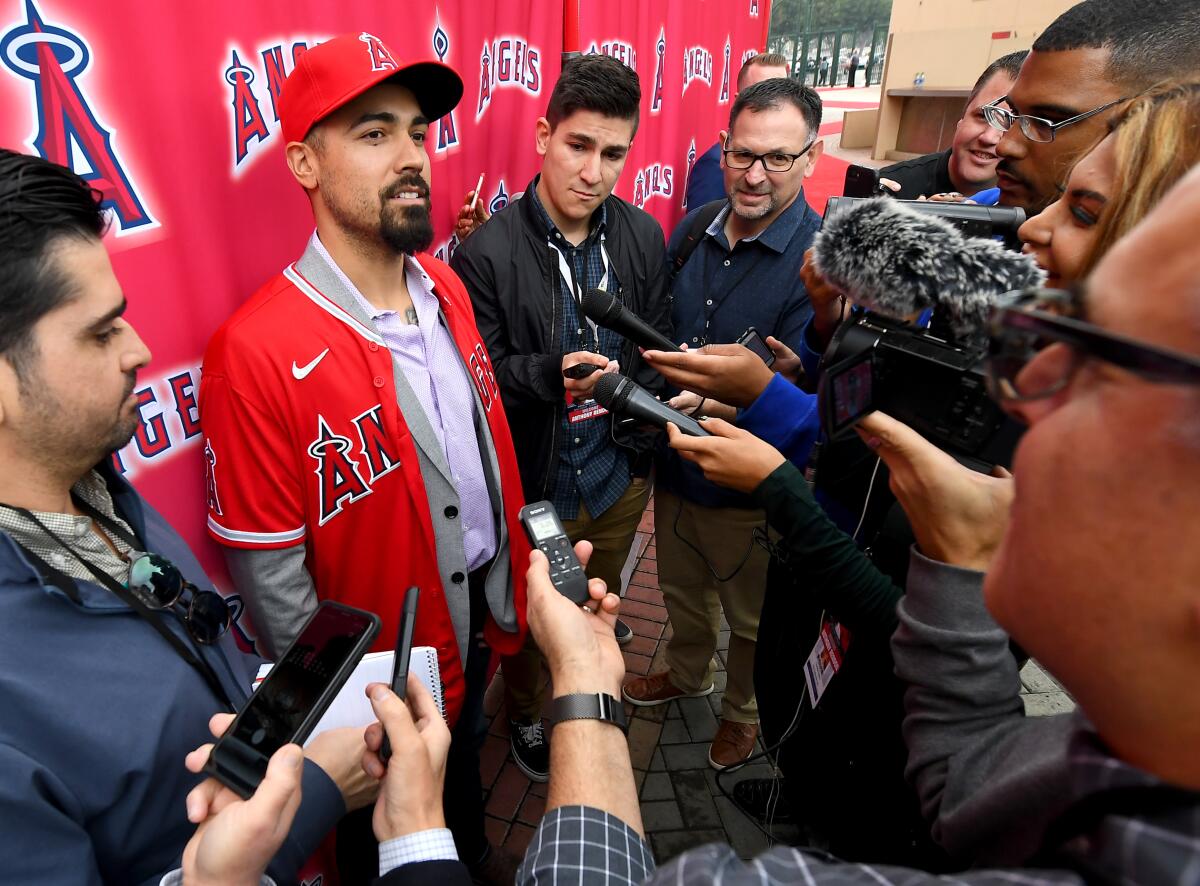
(611, 535)
(695, 598)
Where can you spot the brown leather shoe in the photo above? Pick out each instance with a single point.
(732, 744)
(655, 689)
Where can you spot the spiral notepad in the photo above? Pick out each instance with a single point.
(353, 708)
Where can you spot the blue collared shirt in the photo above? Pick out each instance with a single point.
(721, 292)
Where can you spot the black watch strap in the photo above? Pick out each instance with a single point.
(589, 706)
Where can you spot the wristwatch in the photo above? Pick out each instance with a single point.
(589, 706)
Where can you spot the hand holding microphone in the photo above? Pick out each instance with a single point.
(622, 397)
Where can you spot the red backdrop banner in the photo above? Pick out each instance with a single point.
(172, 113)
(687, 54)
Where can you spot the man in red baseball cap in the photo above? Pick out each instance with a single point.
(357, 444)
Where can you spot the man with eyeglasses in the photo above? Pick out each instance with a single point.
(1082, 68)
(739, 272)
(1088, 565)
(112, 659)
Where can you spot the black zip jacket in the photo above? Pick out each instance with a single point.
(512, 274)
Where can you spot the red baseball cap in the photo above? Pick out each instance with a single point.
(339, 70)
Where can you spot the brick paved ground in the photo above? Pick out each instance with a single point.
(682, 805)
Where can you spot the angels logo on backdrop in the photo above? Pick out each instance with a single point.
(169, 421)
(724, 99)
(447, 125)
(697, 65)
(687, 177)
(254, 100)
(660, 63)
(446, 250)
(747, 55)
(621, 50)
(507, 63)
(499, 200)
(753, 8)
(67, 130)
(656, 180)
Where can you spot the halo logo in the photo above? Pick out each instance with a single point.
(660, 50)
(507, 63)
(67, 130)
(725, 75)
(691, 162)
(697, 65)
(447, 126)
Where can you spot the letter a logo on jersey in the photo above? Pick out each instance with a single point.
(381, 56)
(337, 473)
(67, 131)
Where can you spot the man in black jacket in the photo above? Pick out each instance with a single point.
(527, 270)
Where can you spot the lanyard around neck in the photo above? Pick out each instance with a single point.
(192, 657)
(567, 270)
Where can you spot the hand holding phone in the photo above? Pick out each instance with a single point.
(752, 340)
(289, 702)
(408, 618)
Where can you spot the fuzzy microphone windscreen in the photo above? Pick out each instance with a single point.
(897, 261)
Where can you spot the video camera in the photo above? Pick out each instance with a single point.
(930, 378)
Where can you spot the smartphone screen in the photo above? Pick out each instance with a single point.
(752, 340)
(290, 701)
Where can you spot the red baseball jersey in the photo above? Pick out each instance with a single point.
(307, 444)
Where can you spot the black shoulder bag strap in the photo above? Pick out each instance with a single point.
(61, 580)
(695, 233)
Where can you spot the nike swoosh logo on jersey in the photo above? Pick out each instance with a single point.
(301, 372)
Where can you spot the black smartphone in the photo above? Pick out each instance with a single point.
(755, 342)
(861, 181)
(294, 695)
(546, 533)
(845, 394)
(580, 370)
(408, 618)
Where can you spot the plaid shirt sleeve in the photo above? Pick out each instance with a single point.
(718, 863)
(579, 844)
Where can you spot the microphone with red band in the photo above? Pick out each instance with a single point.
(625, 398)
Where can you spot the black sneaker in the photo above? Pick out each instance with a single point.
(762, 799)
(623, 632)
(530, 748)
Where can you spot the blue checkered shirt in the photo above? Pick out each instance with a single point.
(590, 466)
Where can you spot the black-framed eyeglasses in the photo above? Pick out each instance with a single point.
(772, 161)
(159, 584)
(1036, 129)
(1046, 323)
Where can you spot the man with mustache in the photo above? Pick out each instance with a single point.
(740, 273)
(1082, 69)
(356, 442)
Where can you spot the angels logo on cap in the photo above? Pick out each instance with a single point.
(381, 56)
(332, 74)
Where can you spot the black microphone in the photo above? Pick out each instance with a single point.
(894, 260)
(603, 309)
(621, 396)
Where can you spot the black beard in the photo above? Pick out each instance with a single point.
(409, 231)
